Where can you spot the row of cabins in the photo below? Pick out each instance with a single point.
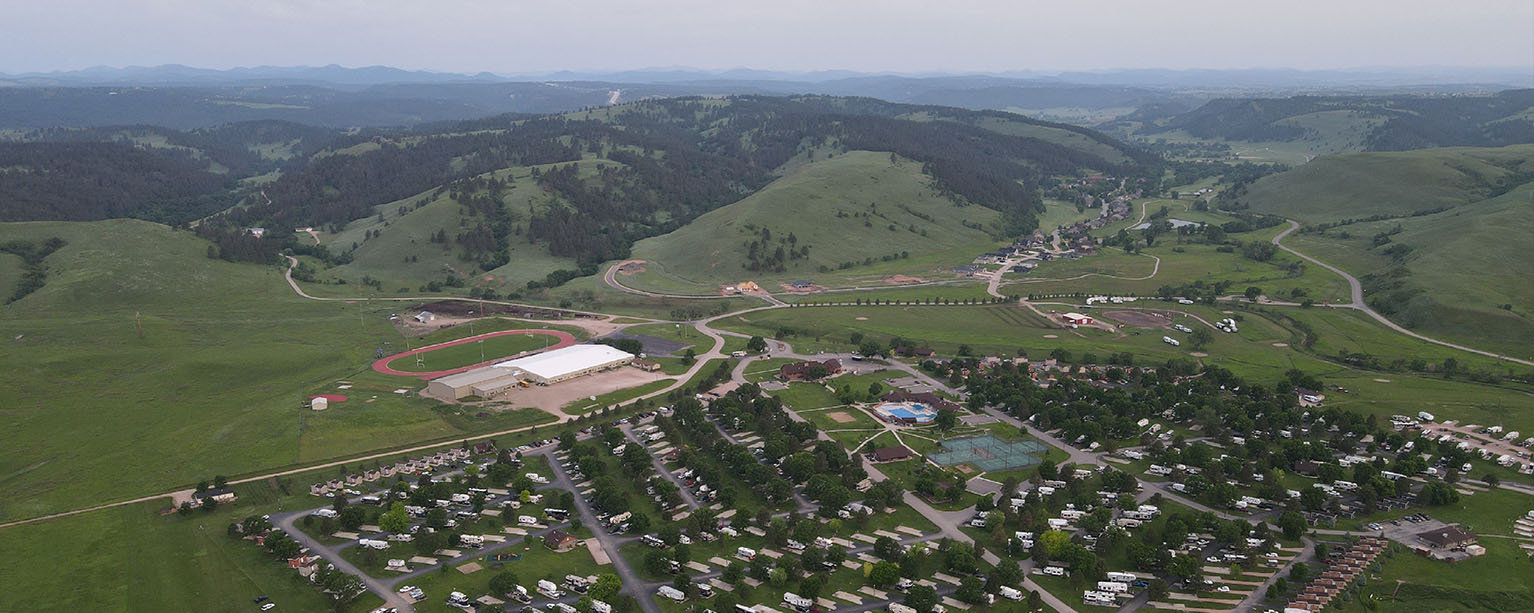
(1344, 569)
(403, 467)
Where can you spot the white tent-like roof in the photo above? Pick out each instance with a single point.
(560, 362)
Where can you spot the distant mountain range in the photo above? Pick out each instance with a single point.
(1255, 78)
(183, 97)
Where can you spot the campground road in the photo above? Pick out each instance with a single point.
(1357, 291)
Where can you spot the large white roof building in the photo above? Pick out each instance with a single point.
(566, 362)
(543, 368)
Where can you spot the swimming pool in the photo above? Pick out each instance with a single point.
(906, 412)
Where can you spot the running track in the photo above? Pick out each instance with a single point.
(382, 364)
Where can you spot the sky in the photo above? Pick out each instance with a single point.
(906, 36)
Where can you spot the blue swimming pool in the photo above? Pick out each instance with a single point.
(914, 412)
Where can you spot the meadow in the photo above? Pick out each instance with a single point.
(144, 366)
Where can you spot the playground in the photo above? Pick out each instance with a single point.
(989, 453)
(455, 356)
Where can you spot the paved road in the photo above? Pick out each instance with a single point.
(332, 554)
(632, 584)
(1357, 291)
(660, 468)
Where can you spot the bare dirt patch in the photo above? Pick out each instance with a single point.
(902, 280)
(861, 318)
(1280, 344)
(1051, 336)
(552, 399)
(1138, 319)
(1198, 354)
(965, 468)
(841, 417)
(1383, 380)
(633, 267)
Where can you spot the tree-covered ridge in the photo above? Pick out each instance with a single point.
(676, 159)
(82, 181)
(1408, 122)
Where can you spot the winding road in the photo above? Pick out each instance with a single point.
(1357, 291)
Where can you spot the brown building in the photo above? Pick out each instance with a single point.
(804, 371)
(891, 454)
(560, 541)
(1447, 537)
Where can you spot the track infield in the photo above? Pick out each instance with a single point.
(382, 364)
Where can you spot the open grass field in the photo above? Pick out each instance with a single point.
(1114, 272)
(10, 274)
(802, 396)
(132, 559)
(1058, 214)
(1496, 581)
(214, 384)
(844, 209)
(681, 333)
(987, 330)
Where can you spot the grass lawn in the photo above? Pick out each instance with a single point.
(131, 558)
(1496, 581)
(802, 396)
(766, 369)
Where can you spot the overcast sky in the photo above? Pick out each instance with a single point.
(514, 36)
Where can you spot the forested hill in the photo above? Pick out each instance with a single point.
(1393, 123)
(144, 172)
(675, 159)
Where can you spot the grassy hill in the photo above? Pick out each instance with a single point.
(1438, 236)
(845, 209)
(1461, 273)
(397, 248)
(1361, 185)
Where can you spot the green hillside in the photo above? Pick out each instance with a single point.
(845, 209)
(1460, 273)
(1361, 185)
(397, 248)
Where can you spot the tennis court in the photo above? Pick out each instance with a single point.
(989, 453)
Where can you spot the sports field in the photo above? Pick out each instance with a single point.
(459, 355)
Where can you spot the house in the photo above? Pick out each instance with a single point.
(748, 286)
(1306, 467)
(424, 317)
(256, 232)
(1447, 537)
(560, 541)
(1077, 319)
(916, 352)
(801, 284)
(484, 448)
(220, 495)
(807, 370)
(645, 365)
(890, 454)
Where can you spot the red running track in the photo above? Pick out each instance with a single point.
(382, 364)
